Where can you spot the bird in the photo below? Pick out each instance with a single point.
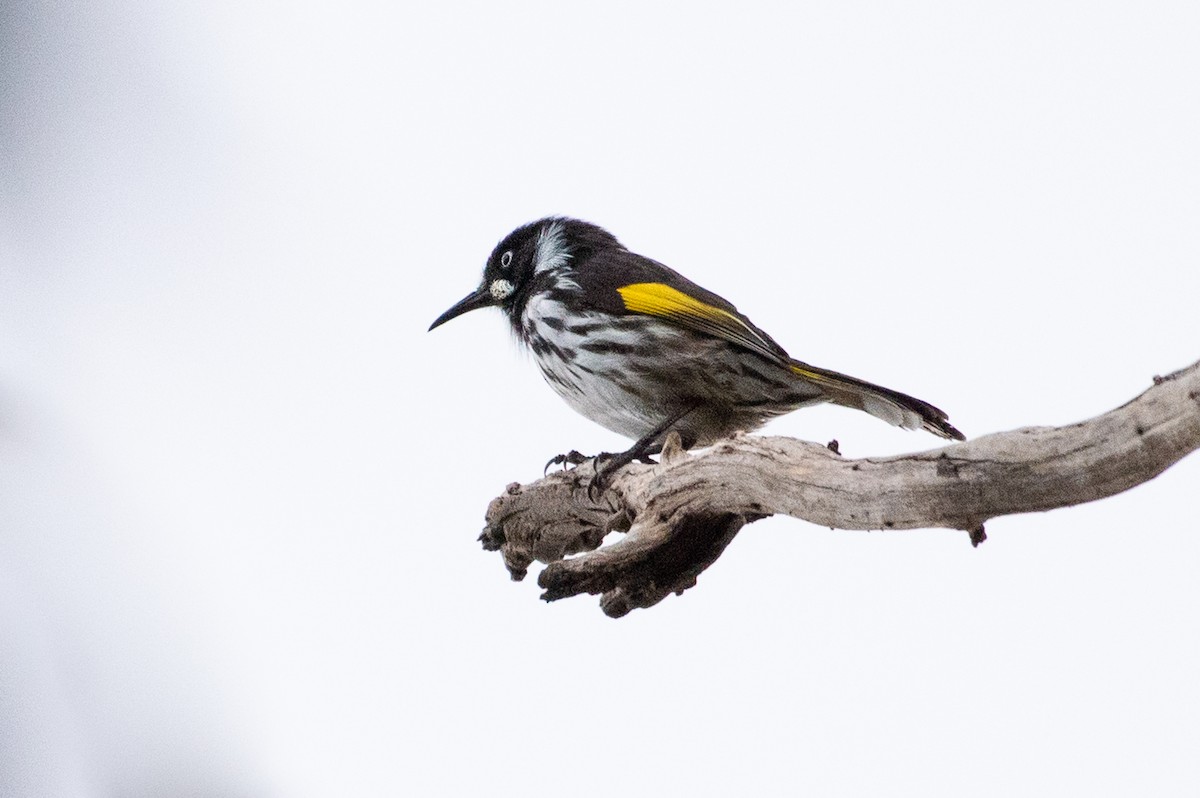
(641, 350)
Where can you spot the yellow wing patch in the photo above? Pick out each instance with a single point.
(658, 299)
(807, 373)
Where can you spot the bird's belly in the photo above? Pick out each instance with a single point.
(609, 399)
(611, 370)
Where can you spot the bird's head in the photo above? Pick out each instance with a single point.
(533, 256)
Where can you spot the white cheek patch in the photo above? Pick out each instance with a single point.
(501, 289)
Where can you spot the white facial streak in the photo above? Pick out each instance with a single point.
(551, 253)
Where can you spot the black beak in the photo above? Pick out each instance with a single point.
(481, 298)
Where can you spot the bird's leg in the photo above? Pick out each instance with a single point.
(645, 446)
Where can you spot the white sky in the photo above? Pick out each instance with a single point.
(240, 485)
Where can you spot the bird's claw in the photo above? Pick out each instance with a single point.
(603, 474)
(602, 478)
(612, 463)
(571, 458)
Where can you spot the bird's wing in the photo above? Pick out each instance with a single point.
(671, 304)
(622, 282)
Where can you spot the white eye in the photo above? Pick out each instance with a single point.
(506, 260)
(501, 289)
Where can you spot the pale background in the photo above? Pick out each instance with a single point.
(240, 485)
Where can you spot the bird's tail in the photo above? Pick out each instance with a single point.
(895, 408)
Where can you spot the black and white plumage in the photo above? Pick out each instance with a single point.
(642, 350)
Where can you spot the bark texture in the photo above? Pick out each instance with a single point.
(679, 515)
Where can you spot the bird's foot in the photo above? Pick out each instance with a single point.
(574, 458)
(571, 458)
(640, 451)
(609, 463)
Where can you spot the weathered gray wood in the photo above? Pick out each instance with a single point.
(680, 514)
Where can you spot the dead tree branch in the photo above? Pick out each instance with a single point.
(680, 515)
